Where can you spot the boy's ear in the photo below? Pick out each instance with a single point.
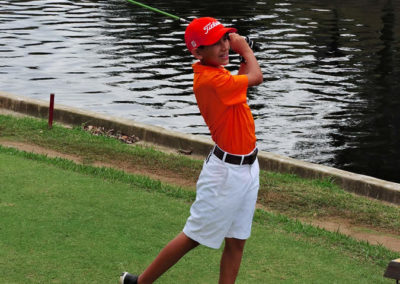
(197, 53)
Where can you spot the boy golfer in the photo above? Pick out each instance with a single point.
(228, 184)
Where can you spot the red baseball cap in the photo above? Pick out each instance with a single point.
(205, 31)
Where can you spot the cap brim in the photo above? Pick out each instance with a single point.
(218, 34)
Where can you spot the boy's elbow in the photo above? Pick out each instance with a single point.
(256, 79)
(260, 79)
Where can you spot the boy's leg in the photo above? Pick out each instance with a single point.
(168, 256)
(230, 260)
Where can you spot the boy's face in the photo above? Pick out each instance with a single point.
(216, 54)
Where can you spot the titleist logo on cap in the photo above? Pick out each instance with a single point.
(210, 26)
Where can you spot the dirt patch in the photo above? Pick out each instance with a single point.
(163, 176)
(40, 150)
(360, 233)
(335, 225)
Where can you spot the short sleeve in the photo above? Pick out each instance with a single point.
(231, 89)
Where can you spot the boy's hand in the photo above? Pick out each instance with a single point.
(239, 44)
(250, 66)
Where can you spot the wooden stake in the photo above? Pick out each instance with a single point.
(51, 110)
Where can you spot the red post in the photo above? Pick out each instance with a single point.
(51, 110)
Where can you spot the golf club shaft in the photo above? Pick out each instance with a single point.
(253, 46)
(157, 11)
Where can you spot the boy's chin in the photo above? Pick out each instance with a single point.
(225, 61)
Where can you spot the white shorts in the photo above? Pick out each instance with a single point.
(226, 196)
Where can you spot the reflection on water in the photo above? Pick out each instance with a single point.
(331, 69)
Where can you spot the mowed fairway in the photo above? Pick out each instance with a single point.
(64, 226)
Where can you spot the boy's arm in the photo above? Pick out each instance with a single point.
(251, 68)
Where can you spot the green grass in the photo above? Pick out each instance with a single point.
(67, 223)
(281, 193)
(65, 227)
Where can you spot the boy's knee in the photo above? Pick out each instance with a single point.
(234, 244)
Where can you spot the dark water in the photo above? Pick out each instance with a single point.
(332, 70)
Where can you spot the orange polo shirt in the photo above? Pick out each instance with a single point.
(222, 100)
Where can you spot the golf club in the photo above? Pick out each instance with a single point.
(250, 42)
(158, 11)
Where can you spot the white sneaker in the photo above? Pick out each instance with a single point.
(127, 278)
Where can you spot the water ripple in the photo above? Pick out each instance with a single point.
(330, 69)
